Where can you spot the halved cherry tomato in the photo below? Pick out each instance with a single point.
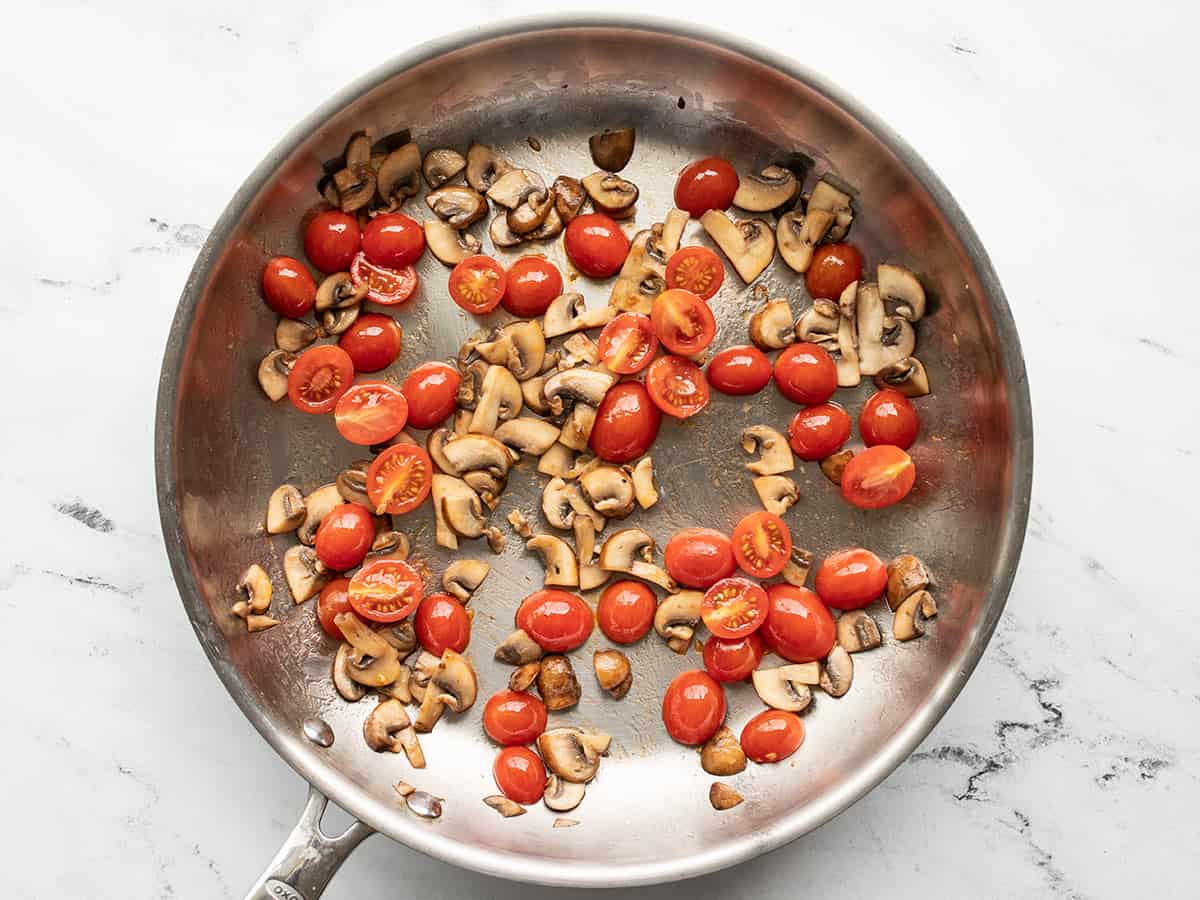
(331, 240)
(533, 282)
(333, 601)
(738, 371)
(519, 774)
(386, 590)
(878, 477)
(706, 184)
(557, 621)
(888, 417)
(695, 269)
(288, 287)
(628, 343)
(733, 659)
(441, 623)
(683, 322)
(626, 423)
(699, 557)
(833, 268)
(319, 378)
(387, 287)
(693, 707)
(393, 240)
(626, 611)
(799, 626)
(399, 479)
(373, 342)
(344, 536)
(431, 390)
(806, 373)
(677, 386)
(596, 245)
(762, 544)
(850, 579)
(511, 718)
(734, 607)
(477, 284)
(772, 735)
(817, 431)
(370, 413)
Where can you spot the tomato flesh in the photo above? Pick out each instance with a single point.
(806, 373)
(888, 417)
(512, 718)
(477, 284)
(762, 544)
(370, 413)
(626, 423)
(519, 774)
(734, 607)
(850, 579)
(393, 240)
(878, 477)
(706, 184)
(693, 707)
(441, 624)
(333, 601)
(733, 659)
(532, 284)
(834, 267)
(331, 240)
(319, 378)
(399, 479)
(677, 386)
(799, 627)
(739, 371)
(683, 322)
(626, 611)
(695, 269)
(386, 590)
(596, 245)
(772, 735)
(344, 536)
(431, 390)
(628, 343)
(387, 287)
(288, 287)
(373, 342)
(557, 621)
(699, 557)
(817, 431)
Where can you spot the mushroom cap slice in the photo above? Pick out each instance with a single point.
(569, 197)
(776, 456)
(504, 806)
(906, 574)
(518, 649)
(848, 373)
(524, 676)
(572, 753)
(580, 384)
(560, 502)
(478, 452)
(457, 205)
(352, 483)
(832, 195)
(796, 569)
(611, 194)
(907, 375)
(612, 149)
(722, 754)
(912, 614)
(382, 727)
(255, 584)
(787, 687)
(336, 321)
(528, 435)
(526, 348)
(294, 335)
(304, 572)
(676, 618)
(568, 312)
(531, 213)
(557, 684)
(643, 275)
(551, 227)
(399, 175)
(837, 672)
(372, 661)
(613, 672)
(644, 488)
(459, 506)
(771, 327)
(273, 373)
(772, 188)
(401, 636)
(512, 188)
(749, 244)
(442, 165)
(501, 234)
(556, 461)
(464, 576)
(562, 569)
(778, 493)
(484, 166)
(723, 797)
(798, 235)
(631, 551)
(609, 490)
(349, 689)
(562, 795)
(882, 339)
(449, 245)
(456, 681)
(500, 400)
(819, 325)
(857, 631)
(577, 428)
(318, 505)
(285, 509)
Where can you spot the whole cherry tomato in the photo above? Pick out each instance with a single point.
(888, 417)
(626, 611)
(519, 774)
(733, 659)
(331, 240)
(387, 287)
(596, 245)
(441, 624)
(373, 342)
(511, 718)
(693, 707)
(850, 579)
(683, 322)
(699, 557)
(734, 607)
(738, 371)
(319, 378)
(393, 240)
(628, 343)
(626, 423)
(370, 413)
(557, 621)
(288, 286)
(386, 590)
(706, 184)
(833, 268)
(762, 544)
(772, 735)
(677, 386)
(817, 431)
(344, 536)
(431, 390)
(399, 479)
(695, 269)
(799, 626)
(878, 477)
(477, 284)
(533, 283)
(806, 373)
(334, 600)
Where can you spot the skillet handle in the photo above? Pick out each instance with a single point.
(309, 858)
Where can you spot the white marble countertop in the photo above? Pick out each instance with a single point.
(1067, 768)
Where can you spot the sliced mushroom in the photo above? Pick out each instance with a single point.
(562, 795)
(906, 575)
(349, 689)
(504, 806)
(568, 312)
(550, 228)
(255, 586)
(832, 196)
(787, 687)
(402, 636)
(912, 614)
(256, 623)
(612, 148)
(883, 340)
(399, 175)
(723, 797)
(518, 649)
(722, 754)
(578, 350)
(557, 684)
(772, 188)
(372, 661)
(383, 726)
(352, 483)
(285, 509)
(611, 194)
(578, 426)
(796, 569)
(775, 454)
(461, 507)
(819, 325)
(580, 384)
(435, 446)
(532, 391)
(848, 374)
(749, 244)
(585, 540)
(562, 569)
(643, 275)
(463, 577)
(676, 619)
(857, 631)
(501, 234)
(453, 685)
(512, 188)
(293, 335)
(837, 672)
(484, 167)
(643, 483)
(524, 675)
(833, 465)
(556, 461)
(556, 503)
(778, 493)
(478, 452)
(901, 291)
(527, 349)
(569, 197)
(613, 672)
(531, 213)
(457, 205)
(499, 401)
(572, 753)
(528, 435)
(444, 535)
(771, 327)
(355, 184)
(609, 490)
(906, 375)
(304, 572)
(273, 373)
(336, 321)
(449, 245)
(441, 166)
(422, 665)
(631, 551)
(520, 524)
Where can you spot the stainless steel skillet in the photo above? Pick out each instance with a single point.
(221, 449)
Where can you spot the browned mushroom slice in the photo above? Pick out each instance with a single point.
(562, 796)
(775, 454)
(520, 524)
(500, 400)
(441, 166)
(501, 234)
(273, 373)
(318, 505)
(557, 684)
(528, 216)
(524, 675)
(771, 327)
(550, 228)
(906, 575)
(518, 649)
(383, 726)
(912, 614)
(579, 351)
(569, 312)
(355, 184)
(609, 490)
(304, 572)
(457, 205)
(819, 325)
(285, 509)
(569, 197)
(906, 375)
(833, 465)
(349, 689)
(336, 321)
(832, 195)
(484, 166)
(787, 687)
(561, 567)
(901, 291)
(613, 672)
(453, 685)
(556, 461)
(837, 672)
(576, 385)
(450, 246)
(722, 754)
(338, 291)
(374, 662)
(572, 753)
(723, 797)
(644, 488)
(643, 276)
(883, 340)
(514, 187)
(255, 588)
(293, 335)
(773, 188)
(778, 493)
(463, 577)
(676, 618)
(848, 374)
(504, 806)
(749, 244)
(526, 434)
(796, 569)
(857, 631)
(613, 148)
(611, 194)
(631, 551)
(399, 176)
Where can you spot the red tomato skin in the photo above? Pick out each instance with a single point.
(817, 431)
(674, 303)
(393, 240)
(696, 269)
(805, 373)
(431, 390)
(747, 594)
(772, 735)
(708, 183)
(626, 611)
(627, 423)
(333, 601)
(441, 624)
(399, 286)
(288, 287)
(519, 774)
(850, 579)
(388, 404)
(596, 245)
(738, 371)
(866, 466)
(799, 626)
(533, 283)
(888, 417)
(613, 336)
(677, 386)
(693, 707)
(512, 718)
(557, 621)
(699, 557)
(733, 659)
(388, 569)
(415, 461)
(344, 536)
(743, 544)
(833, 268)
(338, 374)
(374, 342)
(331, 240)
(483, 276)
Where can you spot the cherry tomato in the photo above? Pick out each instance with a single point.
(772, 735)
(683, 322)
(733, 659)
(799, 626)
(319, 378)
(706, 184)
(850, 579)
(331, 240)
(596, 245)
(878, 477)
(441, 624)
(519, 774)
(370, 413)
(431, 390)
(334, 600)
(288, 286)
(512, 718)
(344, 536)
(393, 240)
(533, 282)
(817, 431)
(762, 544)
(628, 343)
(695, 269)
(677, 386)
(626, 423)
(734, 607)
(386, 590)
(373, 342)
(833, 268)
(557, 621)
(693, 707)
(626, 611)
(888, 417)
(699, 557)
(806, 373)
(387, 287)
(738, 371)
(477, 284)
(399, 479)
